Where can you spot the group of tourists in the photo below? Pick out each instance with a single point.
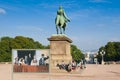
(28, 60)
(72, 65)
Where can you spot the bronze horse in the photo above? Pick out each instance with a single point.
(61, 21)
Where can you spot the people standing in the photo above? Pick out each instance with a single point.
(26, 60)
(84, 63)
(43, 59)
(34, 61)
(29, 59)
(73, 65)
(16, 61)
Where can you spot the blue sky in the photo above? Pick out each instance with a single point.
(93, 22)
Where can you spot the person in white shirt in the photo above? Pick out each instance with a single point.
(34, 61)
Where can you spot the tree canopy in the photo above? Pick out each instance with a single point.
(112, 52)
(19, 42)
(77, 55)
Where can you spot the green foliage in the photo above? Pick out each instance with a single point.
(112, 50)
(76, 53)
(19, 42)
(117, 48)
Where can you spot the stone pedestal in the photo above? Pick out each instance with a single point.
(59, 50)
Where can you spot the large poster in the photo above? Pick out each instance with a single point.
(30, 60)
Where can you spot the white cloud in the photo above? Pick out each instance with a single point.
(30, 28)
(2, 11)
(114, 39)
(65, 4)
(99, 1)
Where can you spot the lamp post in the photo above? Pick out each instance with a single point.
(102, 54)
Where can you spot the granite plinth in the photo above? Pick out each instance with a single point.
(59, 50)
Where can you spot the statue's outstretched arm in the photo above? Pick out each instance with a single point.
(66, 17)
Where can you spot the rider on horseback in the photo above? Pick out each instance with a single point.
(61, 20)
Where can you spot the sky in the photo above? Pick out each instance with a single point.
(93, 22)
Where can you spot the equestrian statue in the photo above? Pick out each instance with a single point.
(61, 21)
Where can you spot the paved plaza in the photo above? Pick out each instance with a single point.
(92, 72)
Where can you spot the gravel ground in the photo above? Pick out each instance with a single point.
(92, 72)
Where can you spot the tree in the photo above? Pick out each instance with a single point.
(19, 42)
(112, 50)
(76, 53)
(5, 49)
(117, 48)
